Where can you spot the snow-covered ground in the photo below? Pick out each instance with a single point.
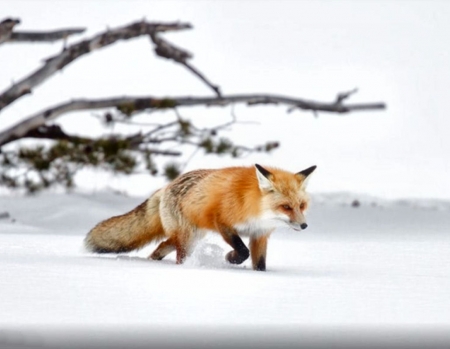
(384, 264)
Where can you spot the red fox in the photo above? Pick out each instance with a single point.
(234, 201)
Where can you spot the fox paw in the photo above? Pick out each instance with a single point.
(234, 258)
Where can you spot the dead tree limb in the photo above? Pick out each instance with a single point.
(130, 105)
(6, 28)
(55, 132)
(167, 50)
(8, 35)
(44, 36)
(72, 52)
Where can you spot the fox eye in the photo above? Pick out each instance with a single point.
(302, 206)
(287, 207)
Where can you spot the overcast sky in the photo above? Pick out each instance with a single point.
(393, 51)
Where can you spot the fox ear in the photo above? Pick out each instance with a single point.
(264, 177)
(305, 175)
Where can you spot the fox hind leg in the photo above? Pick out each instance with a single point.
(163, 249)
(186, 242)
(169, 245)
(181, 242)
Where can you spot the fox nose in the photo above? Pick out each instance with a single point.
(304, 226)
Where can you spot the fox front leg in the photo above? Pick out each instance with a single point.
(258, 251)
(240, 252)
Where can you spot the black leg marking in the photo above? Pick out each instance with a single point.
(240, 253)
(261, 265)
(239, 246)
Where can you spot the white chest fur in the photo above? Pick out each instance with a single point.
(262, 225)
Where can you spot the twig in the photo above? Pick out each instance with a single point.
(140, 138)
(163, 152)
(167, 50)
(344, 95)
(338, 103)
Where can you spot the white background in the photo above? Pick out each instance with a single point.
(393, 51)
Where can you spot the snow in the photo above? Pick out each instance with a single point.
(381, 264)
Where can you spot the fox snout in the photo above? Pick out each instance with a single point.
(298, 221)
(298, 226)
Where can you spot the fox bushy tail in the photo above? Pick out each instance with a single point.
(129, 231)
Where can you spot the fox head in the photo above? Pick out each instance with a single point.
(284, 198)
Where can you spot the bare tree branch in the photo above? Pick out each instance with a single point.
(7, 34)
(167, 50)
(6, 28)
(129, 105)
(44, 36)
(55, 132)
(75, 51)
